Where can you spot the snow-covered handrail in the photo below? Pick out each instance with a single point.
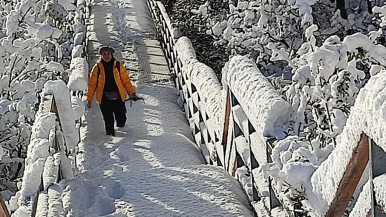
(367, 116)
(50, 154)
(213, 114)
(79, 66)
(231, 129)
(203, 110)
(79, 63)
(258, 115)
(251, 113)
(203, 101)
(166, 33)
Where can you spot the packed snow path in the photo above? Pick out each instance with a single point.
(151, 167)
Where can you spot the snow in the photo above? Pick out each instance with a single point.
(12, 20)
(78, 78)
(53, 66)
(65, 111)
(77, 51)
(32, 174)
(367, 116)
(262, 104)
(44, 32)
(152, 166)
(363, 206)
(202, 10)
(148, 165)
(379, 189)
(38, 150)
(67, 4)
(358, 40)
(208, 87)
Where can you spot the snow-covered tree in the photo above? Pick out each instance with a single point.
(325, 84)
(36, 41)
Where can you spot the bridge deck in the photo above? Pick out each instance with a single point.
(151, 167)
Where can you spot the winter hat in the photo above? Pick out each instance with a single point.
(106, 48)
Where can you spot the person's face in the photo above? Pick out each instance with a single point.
(106, 56)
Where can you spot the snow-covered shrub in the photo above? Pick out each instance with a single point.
(293, 163)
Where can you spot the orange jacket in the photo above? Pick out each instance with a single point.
(122, 80)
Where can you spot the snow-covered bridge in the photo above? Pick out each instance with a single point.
(151, 167)
(155, 165)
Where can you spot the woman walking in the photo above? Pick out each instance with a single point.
(110, 81)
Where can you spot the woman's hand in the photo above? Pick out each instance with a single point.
(135, 97)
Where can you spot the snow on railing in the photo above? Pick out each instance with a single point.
(371, 201)
(79, 66)
(226, 135)
(257, 116)
(229, 125)
(235, 125)
(51, 154)
(352, 154)
(203, 100)
(165, 33)
(201, 121)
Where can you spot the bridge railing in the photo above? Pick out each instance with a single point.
(359, 180)
(208, 105)
(54, 131)
(236, 127)
(166, 35)
(356, 161)
(258, 115)
(79, 65)
(50, 157)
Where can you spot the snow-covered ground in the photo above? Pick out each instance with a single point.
(151, 167)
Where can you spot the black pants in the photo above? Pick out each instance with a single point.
(111, 108)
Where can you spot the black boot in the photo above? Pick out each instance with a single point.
(110, 133)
